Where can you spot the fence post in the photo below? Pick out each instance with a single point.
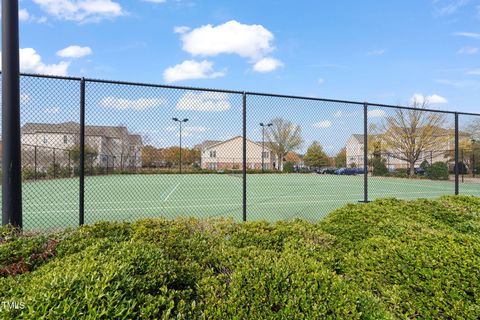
(82, 154)
(365, 153)
(69, 165)
(456, 167)
(244, 160)
(12, 164)
(463, 163)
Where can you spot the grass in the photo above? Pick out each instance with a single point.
(272, 197)
(389, 259)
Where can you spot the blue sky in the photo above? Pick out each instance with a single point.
(378, 51)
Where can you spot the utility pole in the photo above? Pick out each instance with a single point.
(263, 142)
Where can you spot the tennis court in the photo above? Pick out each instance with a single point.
(54, 203)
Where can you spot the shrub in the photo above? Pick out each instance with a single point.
(28, 173)
(389, 259)
(379, 167)
(289, 167)
(438, 171)
(425, 165)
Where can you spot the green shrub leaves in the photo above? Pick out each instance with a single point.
(389, 259)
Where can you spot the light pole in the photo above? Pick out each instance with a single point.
(473, 158)
(263, 142)
(180, 122)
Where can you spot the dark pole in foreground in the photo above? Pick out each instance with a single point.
(263, 143)
(11, 154)
(456, 168)
(244, 160)
(81, 169)
(180, 121)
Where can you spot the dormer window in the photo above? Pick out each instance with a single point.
(213, 154)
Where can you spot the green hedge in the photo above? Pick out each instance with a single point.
(438, 171)
(388, 259)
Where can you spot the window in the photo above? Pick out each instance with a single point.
(45, 139)
(265, 155)
(212, 166)
(65, 139)
(213, 154)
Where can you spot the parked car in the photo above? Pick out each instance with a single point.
(420, 171)
(346, 171)
(360, 170)
(329, 170)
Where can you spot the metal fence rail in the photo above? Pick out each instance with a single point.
(109, 150)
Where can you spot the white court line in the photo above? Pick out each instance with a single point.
(236, 197)
(173, 190)
(345, 201)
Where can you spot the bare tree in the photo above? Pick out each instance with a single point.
(283, 137)
(409, 132)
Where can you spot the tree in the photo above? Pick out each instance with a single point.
(283, 137)
(293, 157)
(151, 156)
(90, 154)
(409, 132)
(315, 156)
(189, 156)
(341, 158)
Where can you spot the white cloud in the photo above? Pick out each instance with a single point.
(181, 29)
(232, 37)
(475, 72)
(468, 50)
(31, 62)
(134, 104)
(448, 7)
(459, 83)
(432, 99)
(191, 69)
(378, 52)
(81, 10)
(52, 110)
(204, 101)
(376, 113)
(23, 15)
(187, 130)
(267, 65)
(472, 35)
(74, 52)
(323, 124)
(343, 114)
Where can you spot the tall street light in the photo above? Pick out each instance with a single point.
(473, 157)
(180, 122)
(263, 142)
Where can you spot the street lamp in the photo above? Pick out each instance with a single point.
(473, 157)
(263, 142)
(180, 122)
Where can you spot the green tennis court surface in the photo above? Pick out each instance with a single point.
(54, 203)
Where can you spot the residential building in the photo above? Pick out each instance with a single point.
(355, 151)
(228, 154)
(114, 146)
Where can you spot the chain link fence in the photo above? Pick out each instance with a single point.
(164, 151)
